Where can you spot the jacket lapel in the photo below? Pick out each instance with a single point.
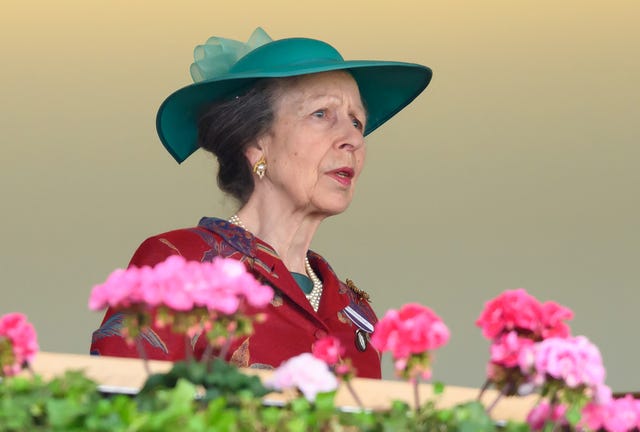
(265, 263)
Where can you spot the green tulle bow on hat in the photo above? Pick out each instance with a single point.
(224, 68)
(217, 55)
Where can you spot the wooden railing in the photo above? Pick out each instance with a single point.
(128, 375)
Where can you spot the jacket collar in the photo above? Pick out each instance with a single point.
(249, 245)
(241, 240)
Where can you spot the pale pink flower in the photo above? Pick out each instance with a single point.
(602, 394)
(413, 329)
(575, 361)
(21, 336)
(617, 415)
(328, 349)
(511, 310)
(305, 372)
(506, 349)
(624, 414)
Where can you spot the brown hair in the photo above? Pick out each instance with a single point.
(227, 129)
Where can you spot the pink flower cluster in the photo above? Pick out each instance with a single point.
(615, 415)
(18, 338)
(180, 285)
(516, 310)
(305, 372)
(513, 321)
(532, 347)
(574, 361)
(412, 330)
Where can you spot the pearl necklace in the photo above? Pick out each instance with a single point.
(316, 292)
(236, 221)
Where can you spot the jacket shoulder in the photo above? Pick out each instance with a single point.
(191, 243)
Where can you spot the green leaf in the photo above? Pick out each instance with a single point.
(63, 412)
(325, 402)
(438, 387)
(573, 415)
(297, 424)
(300, 405)
(472, 416)
(271, 416)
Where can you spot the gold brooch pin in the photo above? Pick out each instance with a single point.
(361, 293)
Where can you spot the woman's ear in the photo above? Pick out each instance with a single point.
(256, 151)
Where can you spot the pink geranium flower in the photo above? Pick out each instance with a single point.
(575, 361)
(223, 286)
(305, 372)
(413, 329)
(505, 350)
(410, 334)
(328, 349)
(552, 320)
(18, 343)
(616, 415)
(511, 310)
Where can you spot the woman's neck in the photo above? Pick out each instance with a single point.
(287, 231)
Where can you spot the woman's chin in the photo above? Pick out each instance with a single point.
(334, 208)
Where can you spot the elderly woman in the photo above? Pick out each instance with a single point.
(286, 120)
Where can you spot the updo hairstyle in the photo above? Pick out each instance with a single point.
(230, 126)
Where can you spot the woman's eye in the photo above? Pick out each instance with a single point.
(320, 113)
(358, 124)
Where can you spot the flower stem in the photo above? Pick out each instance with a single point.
(188, 351)
(206, 356)
(504, 391)
(483, 389)
(353, 393)
(143, 355)
(225, 348)
(416, 393)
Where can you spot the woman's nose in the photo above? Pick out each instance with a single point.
(351, 137)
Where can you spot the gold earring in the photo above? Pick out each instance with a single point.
(260, 167)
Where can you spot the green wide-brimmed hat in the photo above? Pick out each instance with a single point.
(224, 68)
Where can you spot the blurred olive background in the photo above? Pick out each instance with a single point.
(516, 168)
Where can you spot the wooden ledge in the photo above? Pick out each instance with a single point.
(128, 375)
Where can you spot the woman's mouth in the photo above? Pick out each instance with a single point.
(342, 175)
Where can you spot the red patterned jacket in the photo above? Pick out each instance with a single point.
(291, 326)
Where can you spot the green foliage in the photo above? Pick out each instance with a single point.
(217, 379)
(65, 403)
(191, 397)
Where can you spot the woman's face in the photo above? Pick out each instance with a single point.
(315, 150)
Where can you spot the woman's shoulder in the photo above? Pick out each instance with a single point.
(193, 243)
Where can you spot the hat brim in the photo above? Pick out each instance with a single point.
(385, 88)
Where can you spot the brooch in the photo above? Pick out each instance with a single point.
(361, 340)
(360, 293)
